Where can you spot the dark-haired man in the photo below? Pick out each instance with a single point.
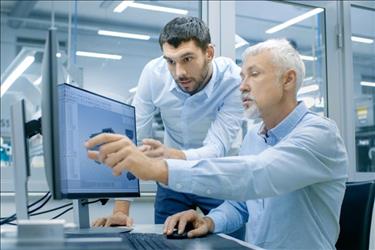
(199, 101)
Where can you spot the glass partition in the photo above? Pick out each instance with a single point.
(363, 47)
(303, 26)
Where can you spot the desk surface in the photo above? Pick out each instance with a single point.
(9, 241)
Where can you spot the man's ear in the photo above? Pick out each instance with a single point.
(290, 79)
(210, 52)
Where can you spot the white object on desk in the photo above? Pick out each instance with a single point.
(29, 231)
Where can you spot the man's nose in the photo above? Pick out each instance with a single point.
(244, 87)
(180, 71)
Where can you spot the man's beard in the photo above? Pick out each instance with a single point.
(201, 82)
(252, 112)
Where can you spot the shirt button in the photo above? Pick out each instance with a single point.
(178, 186)
(208, 191)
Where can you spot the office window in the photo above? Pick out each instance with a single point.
(363, 47)
(96, 53)
(303, 26)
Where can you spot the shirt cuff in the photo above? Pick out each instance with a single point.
(219, 222)
(191, 154)
(180, 175)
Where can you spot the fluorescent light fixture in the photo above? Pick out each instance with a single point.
(362, 40)
(132, 90)
(123, 35)
(98, 55)
(58, 54)
(367, 84)
(308, 89)
(294, 20)
(16, 73)
(38, 81)
(124, 4)
(240, 42)
(308, 58)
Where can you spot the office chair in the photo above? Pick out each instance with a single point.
(356, 215)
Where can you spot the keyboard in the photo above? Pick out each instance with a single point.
(148, 241)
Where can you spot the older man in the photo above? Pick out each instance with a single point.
(295, 160)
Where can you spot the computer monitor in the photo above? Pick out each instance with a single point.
(82, 115)
(70, 116)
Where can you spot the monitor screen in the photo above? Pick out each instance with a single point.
(82, 115)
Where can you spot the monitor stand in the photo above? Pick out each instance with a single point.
(82, 220)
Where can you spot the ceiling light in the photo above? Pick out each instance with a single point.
(58, 54)
(16, 73)
(294, 20)
(308, 58)
(362, 40)
(308, 89)
(132, 90)
(123, 34)
(98, 55)
(367, 84)
(240, 42)
(124, 4)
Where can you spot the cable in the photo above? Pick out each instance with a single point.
(52, 209)
(13, 217)
(29, 206)
(63, 212)
(40, 206)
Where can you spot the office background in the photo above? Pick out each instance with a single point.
(336, 41)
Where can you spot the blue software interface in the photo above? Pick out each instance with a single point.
(83, 115)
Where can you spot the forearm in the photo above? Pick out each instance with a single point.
(121, 206)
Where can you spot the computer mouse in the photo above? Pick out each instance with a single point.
(176, 236)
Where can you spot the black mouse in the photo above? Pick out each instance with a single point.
(176, 236)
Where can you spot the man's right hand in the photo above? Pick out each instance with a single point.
(202, 225)
(116, 219)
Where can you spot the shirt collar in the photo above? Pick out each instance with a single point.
(287, 124)
(207, 89)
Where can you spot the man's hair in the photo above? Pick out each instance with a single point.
(184, 29)
(284, 56)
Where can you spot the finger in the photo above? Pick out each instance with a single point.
(99, 222)
(200, 231)
(118, 168)
(155, 153)
(144, 148)
(94, 155)
(102, 138)
(112, 159)
(166, 223)
(151, 142)
(129, 222)
(172, 223)
(108, 222)
(113, 147)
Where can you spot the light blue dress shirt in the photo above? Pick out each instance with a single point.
(205, 124)
(298, 168)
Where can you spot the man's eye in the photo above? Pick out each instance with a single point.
(187, 59)
(254, 73)
(169, 61)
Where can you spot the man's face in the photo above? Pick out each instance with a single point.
(261, 85)
(188, 64)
